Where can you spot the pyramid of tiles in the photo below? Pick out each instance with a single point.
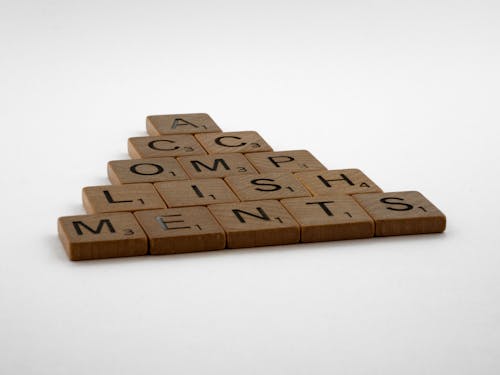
(191, 187)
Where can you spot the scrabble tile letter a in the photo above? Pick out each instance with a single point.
(189, 123)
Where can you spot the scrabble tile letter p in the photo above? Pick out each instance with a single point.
(285, 161)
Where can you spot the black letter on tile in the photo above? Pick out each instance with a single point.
(153, 145)
(277, 163)
(159, 169)
(196, 165)
(78, 224)
(110, 199)
(406, 206)
(326, 182)
(257, 182)
(219, 142)
(262, 216)
(324, 207)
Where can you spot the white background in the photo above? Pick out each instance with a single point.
(407, 91)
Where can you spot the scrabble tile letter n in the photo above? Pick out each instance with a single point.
(259, 223)
(102, 236)
(407, 212)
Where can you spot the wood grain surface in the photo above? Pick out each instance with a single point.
(101, 236)
(181, 230)
(399, 213)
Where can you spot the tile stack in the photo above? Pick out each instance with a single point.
(192, 187)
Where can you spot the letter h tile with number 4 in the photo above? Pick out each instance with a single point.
(339, 181)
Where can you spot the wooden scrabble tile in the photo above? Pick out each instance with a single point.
(407, 212)
(284, 161)
(145, 170)
(186, 123)
(118, 198)
(195, 192)
(215, 166)
(164, 145)
(102, 236)
(230, 142)
(266, 186)
(259, 223)
(343, 181)
(330, 218)
(181, 230)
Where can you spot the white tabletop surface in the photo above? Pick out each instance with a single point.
(408, 92)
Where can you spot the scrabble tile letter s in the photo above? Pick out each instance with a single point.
(259, 223)
(407, 212)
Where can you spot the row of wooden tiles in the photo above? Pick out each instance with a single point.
(168, 168)
(205, 191)
(197, 144)
(248, 224)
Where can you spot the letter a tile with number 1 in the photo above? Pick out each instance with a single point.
(186, 123)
